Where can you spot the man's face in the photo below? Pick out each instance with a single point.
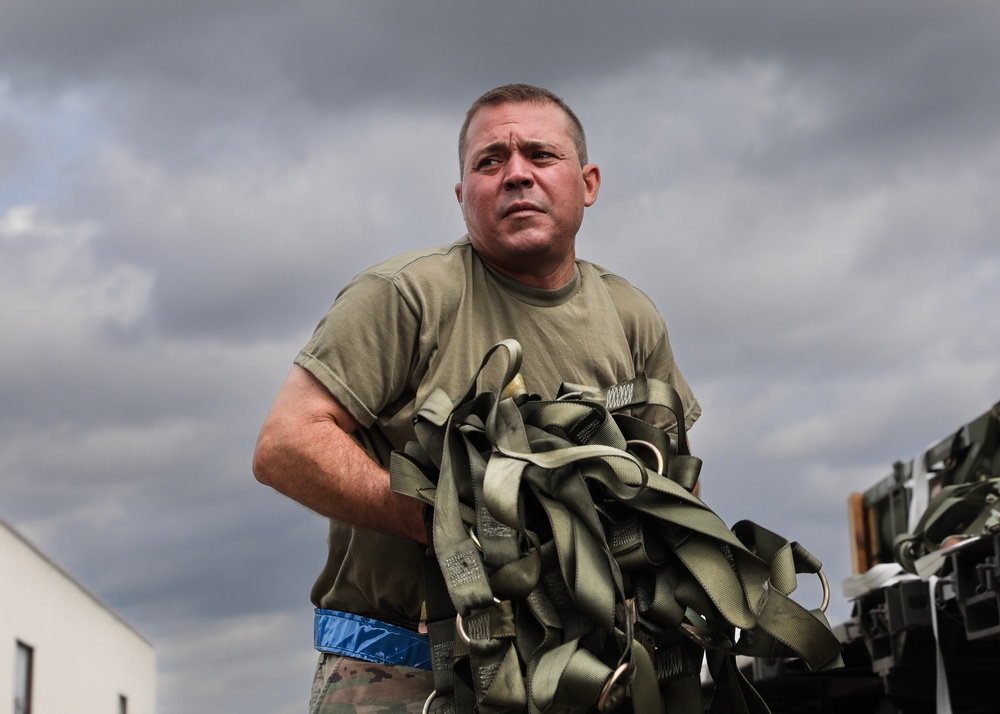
(523, 191)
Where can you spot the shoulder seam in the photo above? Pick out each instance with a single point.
(439, 252)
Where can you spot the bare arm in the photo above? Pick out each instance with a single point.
(305, 451)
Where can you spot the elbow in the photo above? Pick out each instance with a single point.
(265, 458)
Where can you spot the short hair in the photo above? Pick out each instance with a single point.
(521, 94)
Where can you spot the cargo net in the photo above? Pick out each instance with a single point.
(572, 569)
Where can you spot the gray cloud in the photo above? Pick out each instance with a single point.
(192, 80)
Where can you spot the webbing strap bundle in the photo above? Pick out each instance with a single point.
(574, 570)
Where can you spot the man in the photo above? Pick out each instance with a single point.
(424, 320)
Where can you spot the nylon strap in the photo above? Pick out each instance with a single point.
(572, 568)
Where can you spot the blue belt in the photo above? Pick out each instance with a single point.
(370, 640)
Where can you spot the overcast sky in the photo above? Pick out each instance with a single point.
(802, 188)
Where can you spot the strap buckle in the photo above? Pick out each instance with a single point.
(703, 633)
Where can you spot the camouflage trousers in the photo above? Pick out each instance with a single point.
(344, 685)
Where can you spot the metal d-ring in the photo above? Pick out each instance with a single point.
(430, 700)
(826, 590)
(622, 669)
(460, 626)
(651, 447)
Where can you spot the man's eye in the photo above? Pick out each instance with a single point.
(487, 162)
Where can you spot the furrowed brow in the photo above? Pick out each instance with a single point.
(528, 145)
(491, 148)
(540, 145)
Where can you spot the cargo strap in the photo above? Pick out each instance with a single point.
(572, 569)
(956, 512)
(968, 503)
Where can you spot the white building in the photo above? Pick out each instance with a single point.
(61, 649)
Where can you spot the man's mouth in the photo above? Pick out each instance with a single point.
(521, 208)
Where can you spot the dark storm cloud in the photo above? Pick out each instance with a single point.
(192, 87)
(235, 253)
(193, 80)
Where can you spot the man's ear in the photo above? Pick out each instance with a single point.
(592, 183)
(458, 192)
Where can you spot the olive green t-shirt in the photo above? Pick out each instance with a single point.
(424, 320)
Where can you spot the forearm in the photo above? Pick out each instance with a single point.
(311, 458)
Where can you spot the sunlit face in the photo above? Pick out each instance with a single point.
(523, 191)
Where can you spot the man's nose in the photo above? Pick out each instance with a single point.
(518, 173)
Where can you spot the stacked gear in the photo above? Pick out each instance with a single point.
(966, 499)
(573, 570)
